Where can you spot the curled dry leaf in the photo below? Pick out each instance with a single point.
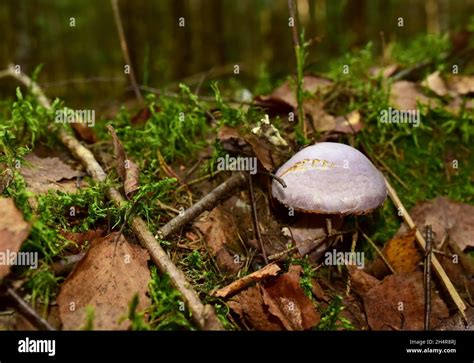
(13, 232)
(398, 303)
(278, 305)
(448, 219)
(222, 239)
(402, 254)
(44, 174)
(126, 169)
(457, 322)
(106, 279)
(405, 95)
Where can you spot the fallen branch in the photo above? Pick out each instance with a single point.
(204, 316)
(27, 311)
(207, 203)
(421, 241)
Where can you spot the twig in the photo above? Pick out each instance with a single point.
(126, 54)
(384, 259)
(269, 270)
(27, 311)
(353, 247)
(206, 203)
(256, 224)
(204, 316)
(421, 241)
(427, 274)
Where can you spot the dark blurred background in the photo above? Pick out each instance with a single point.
(84, 63)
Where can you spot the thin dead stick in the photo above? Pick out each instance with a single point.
(126, 54)
(355, 236)
(27, 311)
(427, 274)
(258, 235)
(384, 259)
(234, 287)
(421, 241)
(204, 316)
(206, 203)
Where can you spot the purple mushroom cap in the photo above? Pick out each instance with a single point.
(330, 178)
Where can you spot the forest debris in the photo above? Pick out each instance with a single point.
(286, 95)
(421, 240)
(266, 152)
(461, 84)
(449, 219)
(349, 124)
(126, 169)
(318, 291)
(222, 238)
(435, 83)
(278, 305)
(27, 311)
(84, 132)
(457, 104)
(362, 282)
(457, 322)
(234, 287)
(398, 303)
(44, 174)
(250, 308)
(402, 254)
(81, 238)
(290, 297)
(13, 232)
(404, 95)
(107, 278)
(6, 176)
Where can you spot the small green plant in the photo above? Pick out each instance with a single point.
(331, 319)
(90, 316)
(167, 310)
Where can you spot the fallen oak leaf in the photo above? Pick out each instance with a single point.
(126, 169)
(398, 302)
(107, 278)
(13, 232)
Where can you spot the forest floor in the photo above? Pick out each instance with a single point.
(92, 273)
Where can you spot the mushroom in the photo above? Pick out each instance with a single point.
(328, 179)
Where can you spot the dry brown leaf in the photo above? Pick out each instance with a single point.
(402, 254)
(458, 103)
(81, 238)
(13, 232)
(435, 83)
(288, 294)
(404, 95)
(457, 322)
(285, 94)
(269, 270)
(126, 169)
(279, 305)
(250, 308)
(44, 174)
(84, 132)
(447, 219)
(222, 238)
(361, 281)
(107, 282)
(6, 176)
(398, 303)
(349, 124)
(461, 84)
